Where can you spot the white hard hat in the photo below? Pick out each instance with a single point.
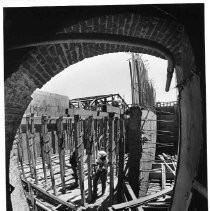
(102, 154)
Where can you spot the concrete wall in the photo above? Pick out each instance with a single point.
(47, 103)
(148, 149)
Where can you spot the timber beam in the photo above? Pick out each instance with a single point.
(142, 200)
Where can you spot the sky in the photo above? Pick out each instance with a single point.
(109, 74)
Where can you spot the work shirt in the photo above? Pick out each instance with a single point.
(102, 164)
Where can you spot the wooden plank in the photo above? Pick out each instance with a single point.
(121, 158)
(96, 138)
(79, 154)
(130, 191)
(163, 180)
(28, 145)
(158, 176)
(162, 158)
(112, 109)
(33, 136)
(111, 146)
(89, 158)
(50, 196)
(20, 151)
(142, 200)
(68, 132)
(106, 134)
(132, 195)
(117, 137)
(32, 148)
(93, 142)
(200, 188)
(41, 205)
(31, 196)
(132, 86)
(140, 93)
(61, 151)
(42, 146)
(87, 113)
(48, 153)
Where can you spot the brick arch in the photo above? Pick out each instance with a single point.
(47, 59)
(165, 31)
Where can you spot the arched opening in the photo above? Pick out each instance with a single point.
(141, 32)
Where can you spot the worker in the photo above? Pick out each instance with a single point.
(73, 162)
(100, 172)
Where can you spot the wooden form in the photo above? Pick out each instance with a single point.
(100, 132)
(142, 200)
(47, 195)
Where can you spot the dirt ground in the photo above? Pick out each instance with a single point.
(18, 197)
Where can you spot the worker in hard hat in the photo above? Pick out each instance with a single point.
(100, 173)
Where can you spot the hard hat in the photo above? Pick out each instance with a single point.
(102, 154)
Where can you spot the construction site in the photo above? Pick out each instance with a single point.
(140, 140)
(101, 152)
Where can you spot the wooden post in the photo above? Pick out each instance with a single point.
(48, 153)
(79, 154)
(101, 135)
(121, 159)
(68, 132)
(117, 137)
(42, 145)
(20, 152)
(32, 148)
(71, 138)
(31, 196)
(111, 143)
(93, 143)
(28, 145)
(89, 158)
(33, 137)
(106, 134)
(96, 138)
(61, 151)
(163, 180)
